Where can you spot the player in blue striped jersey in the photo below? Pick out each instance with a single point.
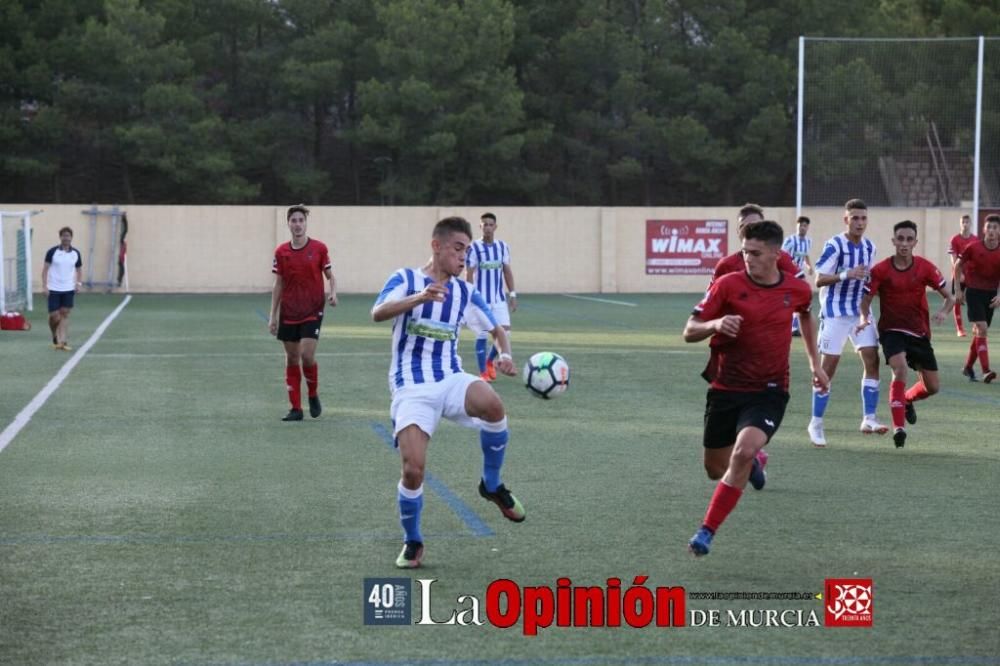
(841, 272)
(799, 246)
(427, 306)
(488, 267)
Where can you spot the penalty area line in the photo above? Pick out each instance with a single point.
(601, 300)
(24, 416)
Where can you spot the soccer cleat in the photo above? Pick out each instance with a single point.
(491, 370)
(970, 373)
(410, 556)
(989, 376)
(65, 347)
(293, 415)
(485, 376)
(871, 426)
(899, 437)
(701, 542)
(796, 333)
(510, 507)
(816, 434)
(960, 333)
(315, 409)
(758, 477)
(911, 413)
(57, 346)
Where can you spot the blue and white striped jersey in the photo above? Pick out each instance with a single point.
(842, 299)
(425, 339)
(798, 247)
(489, 259)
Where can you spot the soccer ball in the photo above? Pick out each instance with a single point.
(546, 375)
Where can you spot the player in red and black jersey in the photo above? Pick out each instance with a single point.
(958, 243)
(978, 273)
(904, 328)
(748, 316)
(734, 262)
(297, 302)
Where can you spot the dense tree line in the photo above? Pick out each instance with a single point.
(582, 102)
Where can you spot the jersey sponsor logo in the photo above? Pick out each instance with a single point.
(490, 265)
(428, 328)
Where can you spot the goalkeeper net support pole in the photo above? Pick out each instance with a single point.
(103, 248)
(15, 250)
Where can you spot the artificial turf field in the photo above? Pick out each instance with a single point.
(156, 510)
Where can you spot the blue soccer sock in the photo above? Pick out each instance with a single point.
(411, 503)
(493, 440)
(819, 403)
(869, 396)
(481, 354)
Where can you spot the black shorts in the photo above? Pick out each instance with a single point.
(977, 302)
(919, 353)
(295, 332)
(61, 299)
(728, 412)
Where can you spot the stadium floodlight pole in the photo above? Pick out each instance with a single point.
(799, 123)
(979, 138)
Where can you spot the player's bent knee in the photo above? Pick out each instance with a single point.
(413, 474)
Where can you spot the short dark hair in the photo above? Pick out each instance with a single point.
(450, 225)
(802, 219)
(65, 230)
(965, 216)
(855, 204)
(993, 219)
(488, 216)
(748, 209)
(767, 231)
(905, 224)
(297, 208)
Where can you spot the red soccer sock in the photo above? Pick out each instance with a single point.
(917, 392)
(897, 403)
(312, 378)
(723, 502)
(984, 355)
(970, 360)
(958, 317)
(293, 381)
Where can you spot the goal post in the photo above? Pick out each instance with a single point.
(15, 249)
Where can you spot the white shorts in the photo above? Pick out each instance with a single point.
(834, 332)
(423, 405)
(481, 325)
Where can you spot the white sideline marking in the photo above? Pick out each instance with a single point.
(24, 416)
(601, 300)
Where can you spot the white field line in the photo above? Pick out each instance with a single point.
(601, 300)
(24, 416)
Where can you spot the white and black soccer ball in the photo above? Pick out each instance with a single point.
(546, 375)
